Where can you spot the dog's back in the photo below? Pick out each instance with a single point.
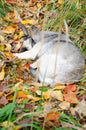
(59, 60)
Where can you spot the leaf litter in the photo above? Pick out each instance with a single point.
(34, 105)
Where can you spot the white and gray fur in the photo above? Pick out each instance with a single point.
(58, 59)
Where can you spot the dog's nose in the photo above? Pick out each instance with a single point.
(33, 71)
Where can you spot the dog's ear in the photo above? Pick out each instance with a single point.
(28, 40)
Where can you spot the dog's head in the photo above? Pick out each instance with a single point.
(28, 43)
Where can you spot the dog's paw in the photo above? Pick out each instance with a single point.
(19, 55)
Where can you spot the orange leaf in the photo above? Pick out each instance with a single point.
(27, 66)
(30, 21)
(1, 94)
(70, 88)
(9, 30)
(21, 94)
(71, 97)
(52, 116)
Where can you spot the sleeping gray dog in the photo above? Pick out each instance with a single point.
(58, 60)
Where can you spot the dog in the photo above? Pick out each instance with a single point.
(57, 59)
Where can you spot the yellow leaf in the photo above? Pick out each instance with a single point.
(8, 55)
(61, 2)
(9, 29)
(8, 47)
(2, 47)
(39, 5)
(46, 95)
(59, 86)
(36, 99)
(32, 21)
(21, 33)
(2, 73)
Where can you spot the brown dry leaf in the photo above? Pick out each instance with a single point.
(3, 100)
(2, 73)
(71, 97)
(9, 30)
(4, 88)
(64, 105)
(47, 106)
(57, 95)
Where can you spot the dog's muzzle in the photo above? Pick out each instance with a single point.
(33, 71)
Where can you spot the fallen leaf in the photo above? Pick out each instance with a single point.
(32, 21)
(46, 95)
(70, 88)
(47, 106)
(71, 97)
(1, 94)
(64, 105)
(27, 66)
(2, 73)
(57, 95)
(8, 55)
(21, 94)
(52, 118)
(9, 30)
(61, 2)
(1, 38)
(2, 47)
(11, 1)
(39, 5)
(8, 47)
(59, 86)
(3, 101)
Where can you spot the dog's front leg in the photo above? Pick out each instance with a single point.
(31, 54)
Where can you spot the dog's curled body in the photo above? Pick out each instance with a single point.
(59, 60)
